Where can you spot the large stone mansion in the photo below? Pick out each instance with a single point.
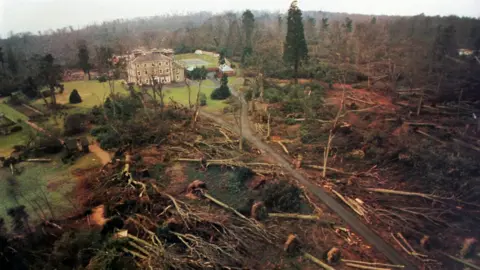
(155, 64)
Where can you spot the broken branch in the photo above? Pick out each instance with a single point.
(317, 261)
(374, 264)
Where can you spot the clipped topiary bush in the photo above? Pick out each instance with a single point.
(221, 93)
(75, 97)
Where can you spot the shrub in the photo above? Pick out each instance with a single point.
(221, 93)
(48, 145)
(99, 130)
(292, 106)
(203, 99)
(290, 121)
(16, 129)
(75, 97)
(75, 124)
(46, 93)
(97, 116)
(273, 95)
(102, 78)
(109, 139)
(282, 197)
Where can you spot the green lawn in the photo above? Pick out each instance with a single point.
(213, 61)
(37, 181)
(12, 113)
(92, 93)
(180, 95)
(18, 138)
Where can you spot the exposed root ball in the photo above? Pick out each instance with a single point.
(468, 248)
(194, 189)
(425, 242)
(292, 245)
(259, 211)
(333, 255)
(112, 224)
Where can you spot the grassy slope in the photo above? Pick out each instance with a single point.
(54, 179)
(92, 93)
(180, 95)
(7, 142)
(213, 61)
(12, 113)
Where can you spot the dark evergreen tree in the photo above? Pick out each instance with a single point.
(12, 61)
(84, 58)
(50, 75)
(248, 22)
(2, 60)
(348, 25)
(223, 91)
(295, 47)
(325, 24)
(198, 74)
(221, 58)
(75, 97)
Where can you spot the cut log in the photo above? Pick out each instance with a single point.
(333, 255)
(468, 247)
(292, 245)
(259, 211)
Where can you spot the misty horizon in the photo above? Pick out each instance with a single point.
(21, 16)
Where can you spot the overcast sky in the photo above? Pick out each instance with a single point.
(34, 15)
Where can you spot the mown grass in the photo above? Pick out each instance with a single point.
(41, 184)
(11, 113)
(212, 61)
(17, 138)
(180, 95)
(92, 93)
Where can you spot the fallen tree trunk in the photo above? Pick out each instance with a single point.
(316, 167)
(39, 160)
(317, 261)
(295, 216)
(373, 264)
(464, 262)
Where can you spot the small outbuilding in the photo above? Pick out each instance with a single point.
(225, 69)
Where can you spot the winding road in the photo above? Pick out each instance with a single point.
(353, 221)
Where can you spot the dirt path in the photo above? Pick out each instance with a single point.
(103, 155)
(358, 226)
